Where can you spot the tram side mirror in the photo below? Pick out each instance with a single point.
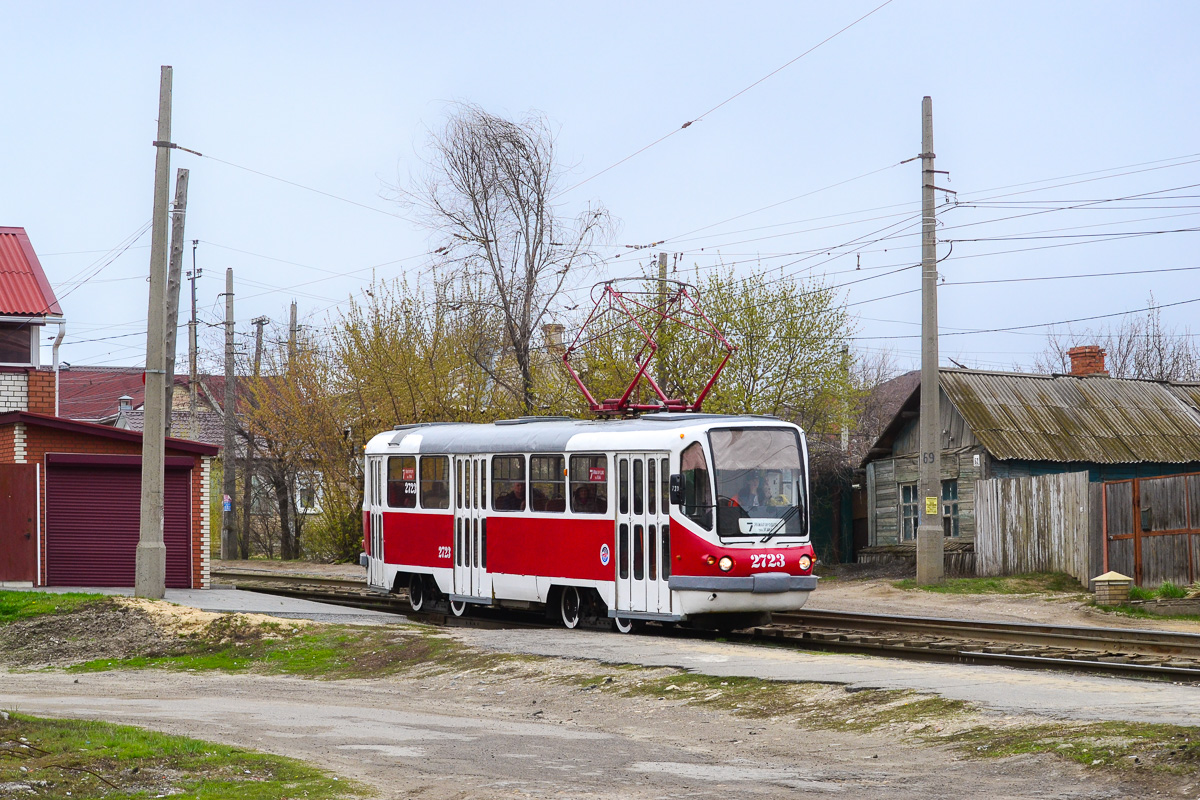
(676, 489)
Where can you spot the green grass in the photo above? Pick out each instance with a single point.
(22, 605)
(77, 759)
(1032, 583)
(1172, 749)
(1169, 591)
(330, 652)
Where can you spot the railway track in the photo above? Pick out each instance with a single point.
(1143, 653)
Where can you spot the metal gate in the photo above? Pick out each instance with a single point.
(18, 522)
(1152, 528)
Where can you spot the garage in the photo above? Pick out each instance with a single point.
(73, 493)
(92, 521)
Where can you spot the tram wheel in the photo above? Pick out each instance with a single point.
(621, 625)
(418, 596)
(570, 604)
(458, 607)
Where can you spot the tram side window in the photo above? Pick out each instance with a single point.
(589, 484)
(697, 502)
(402, 482)
(508, 483)
(547, 484)
(435, 482)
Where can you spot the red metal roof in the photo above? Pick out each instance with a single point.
(91, 393)
(24, 289)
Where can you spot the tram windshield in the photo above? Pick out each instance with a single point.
(760, 482)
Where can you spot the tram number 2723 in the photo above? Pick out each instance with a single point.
(444, 551)
(765, 560)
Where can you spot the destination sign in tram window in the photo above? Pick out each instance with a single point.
(589, 484)
(402, 482)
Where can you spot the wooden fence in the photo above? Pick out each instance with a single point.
(1039, 524)
(1152, 529)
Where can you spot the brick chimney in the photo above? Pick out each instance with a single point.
(1087, 360)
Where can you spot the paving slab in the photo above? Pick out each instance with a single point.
(237, 601)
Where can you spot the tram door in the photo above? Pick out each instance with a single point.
(471, 578)
(375, 567)
(643, 535)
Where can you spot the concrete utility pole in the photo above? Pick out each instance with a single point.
(150, 564)
(247, 461)
(931, 544)
(193, 376)
(229, 548)
(173, 281)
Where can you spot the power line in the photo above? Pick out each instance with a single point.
(722, 103)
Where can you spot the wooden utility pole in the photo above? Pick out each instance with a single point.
(173, 281)
(930, 539)
(248, 459)
(193, 375)
(150, 564)
(229, 548)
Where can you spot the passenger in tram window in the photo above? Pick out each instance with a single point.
(512, 500)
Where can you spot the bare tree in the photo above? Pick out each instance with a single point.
(490, 195)
(1139, 346)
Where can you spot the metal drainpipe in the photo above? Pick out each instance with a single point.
(62, 331)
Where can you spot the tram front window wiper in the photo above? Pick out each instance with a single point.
(779, 526)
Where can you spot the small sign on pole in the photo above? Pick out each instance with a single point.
(227, 503)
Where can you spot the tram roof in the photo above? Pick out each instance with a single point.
(546, 434)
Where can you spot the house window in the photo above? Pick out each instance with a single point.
(910, 511)
(950, 508)
(16, 343)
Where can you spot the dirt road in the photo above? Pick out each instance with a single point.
(493, 735)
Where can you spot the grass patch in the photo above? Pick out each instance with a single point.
(77, 758)
(330, 652)
(917, 718)
(1032, 583)
(1138, 612)
(1172, 749)
(22, 605)
(1169, 591)
(815, 705)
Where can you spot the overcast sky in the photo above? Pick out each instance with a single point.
(1064, 102)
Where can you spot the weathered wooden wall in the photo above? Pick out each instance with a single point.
(1038, 524)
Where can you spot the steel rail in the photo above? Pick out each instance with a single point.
(1127, 640)
(1132, 652)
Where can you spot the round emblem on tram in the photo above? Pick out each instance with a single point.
(604, 554)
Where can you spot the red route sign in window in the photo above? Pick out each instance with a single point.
(409, 474)
(596, 474)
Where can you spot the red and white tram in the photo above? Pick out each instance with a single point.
(693, 518)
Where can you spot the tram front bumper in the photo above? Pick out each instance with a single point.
(716, 594)
(760, 583)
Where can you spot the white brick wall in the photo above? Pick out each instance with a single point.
(205, 523)
(19, 442)
(14, 391)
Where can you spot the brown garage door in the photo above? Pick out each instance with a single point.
(92, 524)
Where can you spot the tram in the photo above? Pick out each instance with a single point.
(691, 518)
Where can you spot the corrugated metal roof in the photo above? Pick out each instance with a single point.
(1066, 418)
(24, 289)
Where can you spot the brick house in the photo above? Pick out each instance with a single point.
(69, 490)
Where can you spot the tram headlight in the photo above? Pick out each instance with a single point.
(726, 563)
(805, 562)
